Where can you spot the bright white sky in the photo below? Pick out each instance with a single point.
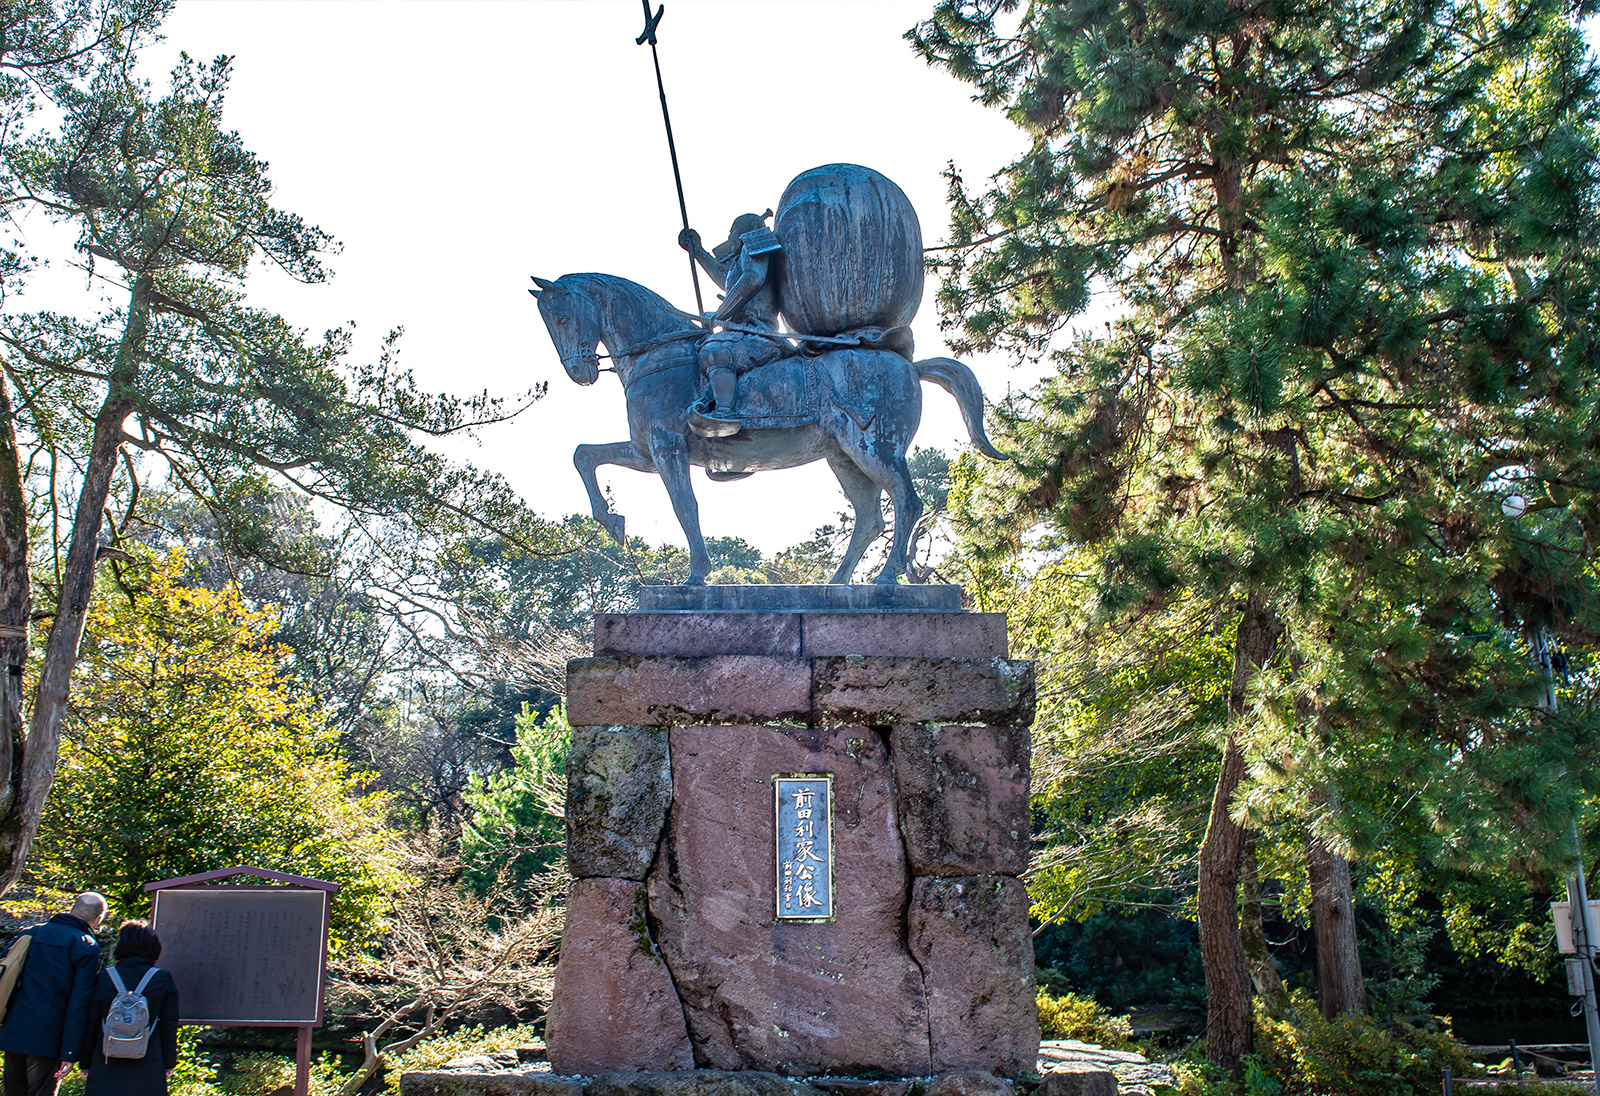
(456, 148)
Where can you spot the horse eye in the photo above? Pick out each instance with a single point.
(562, 321)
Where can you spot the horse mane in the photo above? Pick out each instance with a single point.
(613, 289)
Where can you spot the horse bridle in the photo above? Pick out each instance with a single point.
(633, 351)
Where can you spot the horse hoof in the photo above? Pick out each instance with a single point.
(695, 580)
(888, 578)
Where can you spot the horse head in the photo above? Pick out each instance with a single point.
(574, 322)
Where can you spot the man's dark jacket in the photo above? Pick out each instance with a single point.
(50, 1008)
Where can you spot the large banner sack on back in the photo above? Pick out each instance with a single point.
(852, 251)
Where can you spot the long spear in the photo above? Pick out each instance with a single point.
(649, 35)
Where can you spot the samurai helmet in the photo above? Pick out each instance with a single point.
(744, 222)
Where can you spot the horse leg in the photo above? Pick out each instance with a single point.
(671, 455)
(865, 498)
(588, 458)
(894, 476)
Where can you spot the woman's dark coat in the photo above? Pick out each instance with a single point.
(145, 1076)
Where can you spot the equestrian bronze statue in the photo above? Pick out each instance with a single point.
(735, 393)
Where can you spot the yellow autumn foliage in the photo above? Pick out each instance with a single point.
(189, 748)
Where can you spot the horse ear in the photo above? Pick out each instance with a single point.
(534, 293)
(543, 284)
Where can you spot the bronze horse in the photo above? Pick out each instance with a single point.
(868, 404)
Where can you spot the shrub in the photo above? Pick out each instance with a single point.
(435, 1052)
(1072, 1017)
(1353, 1055)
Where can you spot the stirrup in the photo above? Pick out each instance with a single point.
(710, 424)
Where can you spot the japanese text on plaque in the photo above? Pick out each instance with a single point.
(805, 846)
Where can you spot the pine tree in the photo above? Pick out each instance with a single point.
(180, 380)
(1355, 246)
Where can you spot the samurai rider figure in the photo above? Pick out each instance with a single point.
(740, 265)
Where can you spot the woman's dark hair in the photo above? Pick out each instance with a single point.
(137, 940)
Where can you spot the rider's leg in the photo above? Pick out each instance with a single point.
(724, 381)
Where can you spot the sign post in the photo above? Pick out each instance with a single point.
(248, 955)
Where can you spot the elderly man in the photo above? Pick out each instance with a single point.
(43, 1029)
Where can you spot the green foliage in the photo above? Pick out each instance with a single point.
(1399, 987)
(266, 1074)
(1072, 1017)
(1354, 1055)
(1351, 253)
(188, 750)
(515, 829)
(436, 1051)
(1127, 959)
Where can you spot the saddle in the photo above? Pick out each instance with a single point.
(784, 393)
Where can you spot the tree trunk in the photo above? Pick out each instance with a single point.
(1340, 987)
(38, 769)
(16, 601)
(1253, 935)
(1228, 1032)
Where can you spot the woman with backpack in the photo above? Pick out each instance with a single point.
(131, 1045)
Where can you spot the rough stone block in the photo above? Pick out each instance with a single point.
(436, 1083)
(702, 1082)
(855, 1086)
(619, 786)
(905, 635)
(791, 997)
(640, 689)
(970, 936)
(613, 1006)
(866, 689)
(1078, 1079)
(697, 635)
(963, 797)
(968, 1082)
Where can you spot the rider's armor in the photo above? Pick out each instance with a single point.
(742, 266)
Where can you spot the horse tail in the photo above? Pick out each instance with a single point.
(959, 381)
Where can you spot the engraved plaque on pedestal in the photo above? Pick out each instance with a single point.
(803, 803)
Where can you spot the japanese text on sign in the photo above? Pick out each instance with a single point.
(805, 846)
(244, 954)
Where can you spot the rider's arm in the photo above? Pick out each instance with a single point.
(752, 277)
(689, 240)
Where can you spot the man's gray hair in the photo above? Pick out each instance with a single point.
(89, 905)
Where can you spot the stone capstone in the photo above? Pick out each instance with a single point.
(619, 785)
(802, 635)
(613, 1006)
(701, 1082)
(963, 797)
(970, 937)
(1078, 1079)
(797, 998)
(436, 1083)
(775, 598)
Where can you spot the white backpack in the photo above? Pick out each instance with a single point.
(128, 1025)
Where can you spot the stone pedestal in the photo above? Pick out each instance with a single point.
(673, 956)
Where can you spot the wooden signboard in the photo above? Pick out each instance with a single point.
(247, 955)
